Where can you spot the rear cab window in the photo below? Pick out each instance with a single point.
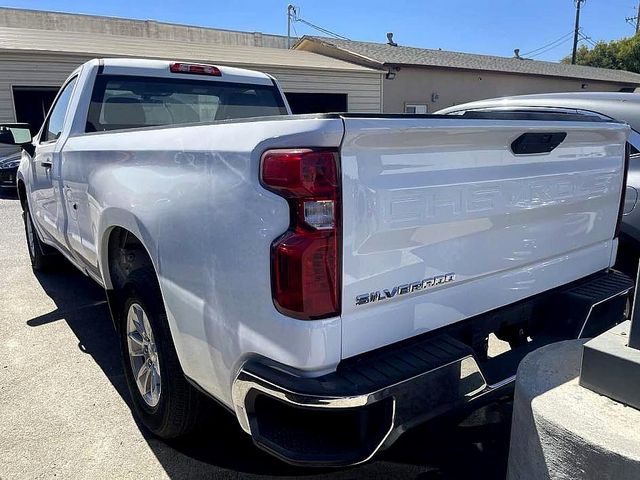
(127, 101)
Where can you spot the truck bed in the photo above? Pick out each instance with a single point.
(422, 197)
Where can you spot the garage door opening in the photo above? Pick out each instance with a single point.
(317, 102)
(32, 104)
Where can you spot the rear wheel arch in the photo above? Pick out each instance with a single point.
(122, 253)
(117, 242)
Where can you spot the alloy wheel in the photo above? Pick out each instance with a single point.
(143, 355)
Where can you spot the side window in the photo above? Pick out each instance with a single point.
(53, 126)
(416, 108)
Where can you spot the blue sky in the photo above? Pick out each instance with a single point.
(479, 26)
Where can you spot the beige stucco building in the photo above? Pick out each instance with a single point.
(420, 80)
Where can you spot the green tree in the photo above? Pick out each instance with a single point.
(621, 54)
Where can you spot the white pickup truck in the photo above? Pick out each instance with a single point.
(331, 279)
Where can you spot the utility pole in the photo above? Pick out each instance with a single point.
(576, 31)
(291, 16)
(635, 19)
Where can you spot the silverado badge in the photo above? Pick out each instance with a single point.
(405, 288)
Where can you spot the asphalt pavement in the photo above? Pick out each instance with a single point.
(64, 408)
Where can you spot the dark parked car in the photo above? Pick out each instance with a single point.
(9, 169)
(623, 107)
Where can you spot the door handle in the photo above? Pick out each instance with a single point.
(46, 163)
(537, 142)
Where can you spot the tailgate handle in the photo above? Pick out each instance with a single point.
(533, 142)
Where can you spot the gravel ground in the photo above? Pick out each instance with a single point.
(64, 409)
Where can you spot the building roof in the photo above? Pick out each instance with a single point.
(379, 55)
(74, 22)
(99, 45)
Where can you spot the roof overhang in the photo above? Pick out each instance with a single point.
(96, 46)
(325, 47)
(316, 45)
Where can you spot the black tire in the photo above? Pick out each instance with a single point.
(42, 256)
(178, 409)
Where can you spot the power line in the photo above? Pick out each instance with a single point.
(586, 38)
(320, 29)
(293, 15)
(566, 40)
(550, 44)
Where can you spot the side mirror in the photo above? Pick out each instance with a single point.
(16, 134)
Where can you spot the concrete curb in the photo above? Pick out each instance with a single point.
(561, 430)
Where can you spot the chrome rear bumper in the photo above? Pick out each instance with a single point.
(345, 417)
(405, 388)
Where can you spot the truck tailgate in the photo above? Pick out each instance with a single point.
(441, 221)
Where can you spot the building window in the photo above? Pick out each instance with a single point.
(416, 108)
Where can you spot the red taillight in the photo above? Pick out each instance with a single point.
(195, 68)
(306, 259)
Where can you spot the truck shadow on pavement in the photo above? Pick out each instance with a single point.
(82, 304)
(439, 450)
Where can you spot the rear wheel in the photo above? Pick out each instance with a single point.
(162, 398)
(39, 259)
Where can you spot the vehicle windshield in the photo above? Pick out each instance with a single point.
(120, 102)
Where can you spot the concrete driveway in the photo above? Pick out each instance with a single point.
(64, 409)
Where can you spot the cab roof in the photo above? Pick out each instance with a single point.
(160, 68)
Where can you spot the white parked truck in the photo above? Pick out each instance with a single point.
(331, 279)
